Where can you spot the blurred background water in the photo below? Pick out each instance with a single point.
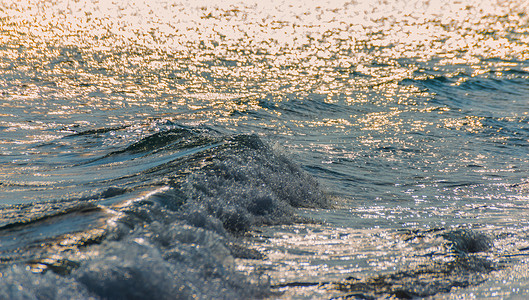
(413, 116)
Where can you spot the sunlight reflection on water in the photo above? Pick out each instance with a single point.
(413, 113)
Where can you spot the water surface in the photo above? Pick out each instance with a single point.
(271, 149)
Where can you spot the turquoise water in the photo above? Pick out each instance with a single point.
(289, 150)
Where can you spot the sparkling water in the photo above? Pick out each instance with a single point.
(264, 149)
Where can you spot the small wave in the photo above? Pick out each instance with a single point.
(174, 200)
(460, 266)
(422, 281)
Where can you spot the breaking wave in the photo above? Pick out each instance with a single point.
(178, 199)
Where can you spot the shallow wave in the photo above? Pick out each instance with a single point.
(460, 266)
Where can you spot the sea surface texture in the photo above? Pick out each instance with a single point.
(274, 149)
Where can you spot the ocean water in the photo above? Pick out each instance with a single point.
(264, 149)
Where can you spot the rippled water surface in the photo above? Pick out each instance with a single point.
(291, 149)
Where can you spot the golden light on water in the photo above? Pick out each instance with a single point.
(311, 35)
(469, 123)
(95, 51)
(387, 100)
(229, 62)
